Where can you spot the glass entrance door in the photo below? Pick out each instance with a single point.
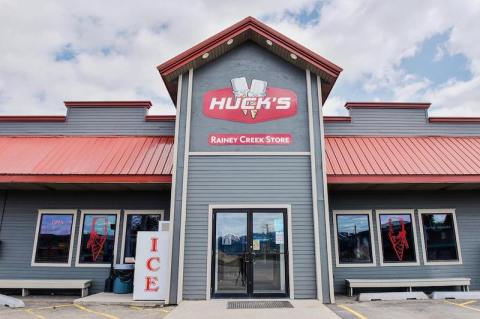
(250, 255)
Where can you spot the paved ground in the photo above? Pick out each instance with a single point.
(45, 307)
(412, 309)
(216, 309)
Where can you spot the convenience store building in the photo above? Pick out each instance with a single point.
(266, 196)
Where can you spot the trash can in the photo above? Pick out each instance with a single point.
(123, 282)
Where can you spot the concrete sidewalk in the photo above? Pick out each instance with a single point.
(213, 309)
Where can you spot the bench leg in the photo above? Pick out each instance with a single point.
(410, 289)
(25, 292)
(84, 292)
(467, 288)
(350, 292)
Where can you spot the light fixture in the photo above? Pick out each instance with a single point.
(229, 41)
(269, 42)
(205, 55)
(293, 56)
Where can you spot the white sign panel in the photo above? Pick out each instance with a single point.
(151, 264)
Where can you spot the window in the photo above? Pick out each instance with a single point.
(397, 237)
(439, 237)
(97, 239)
(134, 222)
(53, 238)
(354, 239)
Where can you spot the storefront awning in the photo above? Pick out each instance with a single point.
(400, 160)
(86, 159)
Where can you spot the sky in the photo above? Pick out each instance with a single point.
(410, 50)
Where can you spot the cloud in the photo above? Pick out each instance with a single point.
(53, 51)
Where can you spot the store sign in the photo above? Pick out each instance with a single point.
(254, 104)
(249, 139)
(151, 265)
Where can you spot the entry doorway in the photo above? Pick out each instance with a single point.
(249, 253)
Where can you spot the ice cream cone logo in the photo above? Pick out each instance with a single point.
(250, 103)
(241, 90)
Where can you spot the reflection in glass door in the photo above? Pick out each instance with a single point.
(250, 254)
(231, 246)
(269, 253)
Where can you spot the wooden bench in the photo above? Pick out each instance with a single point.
(26, 284)
(407, 283)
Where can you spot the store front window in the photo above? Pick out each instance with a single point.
(53, 243)
(354, 239)
(135, 222)
(440, 236)
(397, 237)
(97, 240)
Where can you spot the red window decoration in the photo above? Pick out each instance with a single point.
(399, 241)
(96, 241)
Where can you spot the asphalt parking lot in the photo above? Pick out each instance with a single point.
(61, 308)
(411, 309)
(38, 307)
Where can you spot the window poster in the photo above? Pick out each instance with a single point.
(98, 239)
(397, 238)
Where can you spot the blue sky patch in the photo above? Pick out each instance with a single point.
(434, 62)
(67, 53)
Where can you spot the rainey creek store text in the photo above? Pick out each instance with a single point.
(266, 196)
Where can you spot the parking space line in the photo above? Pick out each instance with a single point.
(353, 312)
(103, 314)
(137, 308)
(36, 315)
(462, 305)
(468, 302)
(53, 307)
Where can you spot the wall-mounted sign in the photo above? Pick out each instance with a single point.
(151, 264)
(249, 139)
(254, 104)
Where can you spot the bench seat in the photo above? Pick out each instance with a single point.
(407, 283)
(26, 284)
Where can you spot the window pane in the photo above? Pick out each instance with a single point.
(353, 234)
(439, 234)
(136, 223)
(397, 238)
(98, 239)
(53, 243)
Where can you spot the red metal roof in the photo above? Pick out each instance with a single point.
(400, 159)
(129, 104)
(147, 159)
(387, 105)
(86, 159)
(454, 119)
(33, 118)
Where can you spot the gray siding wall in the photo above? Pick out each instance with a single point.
(468, 220)
(18, 230)
(367, 121)
(249, 180)
(253, 62)
(93, 121)
(245, 179)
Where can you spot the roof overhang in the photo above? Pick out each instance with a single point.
(248, 29)
(87, 179)
(403, 179)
